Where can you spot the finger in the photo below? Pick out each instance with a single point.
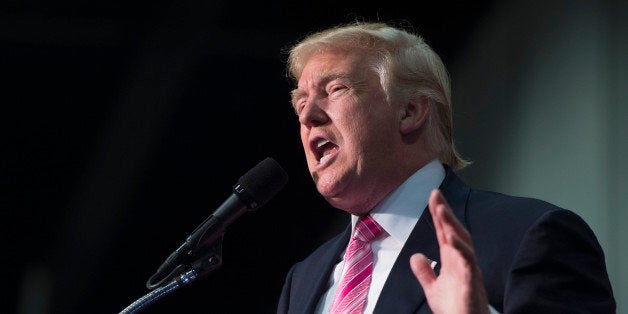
(422, 270)
(433, 204)
(438, 198)
(444, 217)
(462, 248)
(459, 258)
(451, 224)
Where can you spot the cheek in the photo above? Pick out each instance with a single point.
(374, 131)
(356, 135)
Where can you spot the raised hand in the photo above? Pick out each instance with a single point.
(458, 289)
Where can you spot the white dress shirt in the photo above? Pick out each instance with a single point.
(397, 214)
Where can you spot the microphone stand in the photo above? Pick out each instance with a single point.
(201, 253)
(181, 275)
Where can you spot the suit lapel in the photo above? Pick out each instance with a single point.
(456, 193)
(402, 293)
(317, 271)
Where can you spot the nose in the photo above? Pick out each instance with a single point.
(313, 115)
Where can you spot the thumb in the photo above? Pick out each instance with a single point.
(420, 266)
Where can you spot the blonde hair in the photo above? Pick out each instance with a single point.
(407, 67)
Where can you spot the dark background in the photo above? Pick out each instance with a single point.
(128, 122)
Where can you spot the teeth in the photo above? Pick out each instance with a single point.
(324, 158)
(321, 143)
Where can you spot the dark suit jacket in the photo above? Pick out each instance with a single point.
(534, 257)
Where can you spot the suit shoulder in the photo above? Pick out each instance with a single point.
(490, 216)
(498, 223)
(512, 233)
(499, 206)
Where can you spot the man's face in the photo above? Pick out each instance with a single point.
(350, 133)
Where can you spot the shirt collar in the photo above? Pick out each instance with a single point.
(398, 212)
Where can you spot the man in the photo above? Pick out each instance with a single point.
(373, 103)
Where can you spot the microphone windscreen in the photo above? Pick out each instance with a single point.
(264, 180)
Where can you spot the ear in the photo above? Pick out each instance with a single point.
(414, 114)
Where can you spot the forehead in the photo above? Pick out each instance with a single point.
(330, 64)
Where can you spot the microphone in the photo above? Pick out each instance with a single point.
(253, 190)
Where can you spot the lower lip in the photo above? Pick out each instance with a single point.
(325, 161)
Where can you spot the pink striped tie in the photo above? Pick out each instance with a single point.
(358, 263)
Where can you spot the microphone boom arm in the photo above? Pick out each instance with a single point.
(209, 262)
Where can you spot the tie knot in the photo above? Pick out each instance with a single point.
(367, 229)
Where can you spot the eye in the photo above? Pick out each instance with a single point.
(335, 88)
(298, 107)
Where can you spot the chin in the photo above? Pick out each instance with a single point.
(329, 189)
(326, 190)
(343, 202)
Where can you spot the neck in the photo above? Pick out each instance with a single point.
(374, 193)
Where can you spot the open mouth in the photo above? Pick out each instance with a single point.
(325, 149)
